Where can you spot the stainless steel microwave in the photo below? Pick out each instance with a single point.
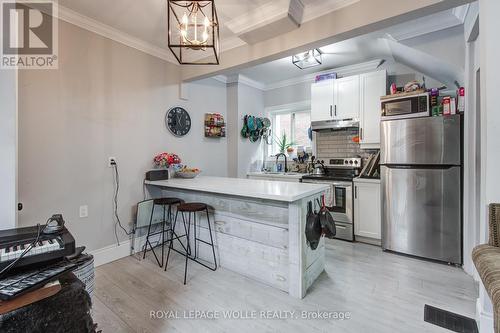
(406, 107)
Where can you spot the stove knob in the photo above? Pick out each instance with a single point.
(350, 162)
(355, 162)
(346, 162)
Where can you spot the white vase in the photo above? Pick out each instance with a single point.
(171, 172)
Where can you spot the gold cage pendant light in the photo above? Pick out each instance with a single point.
(193, 32)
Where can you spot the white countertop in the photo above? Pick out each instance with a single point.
(289, 175)
(252, 188)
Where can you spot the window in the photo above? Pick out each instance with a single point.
(296, 126)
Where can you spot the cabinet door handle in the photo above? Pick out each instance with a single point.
(331, 114)
(361, 133)
(355, 192)
(335, 110)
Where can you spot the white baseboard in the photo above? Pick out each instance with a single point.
(484, 319)
(114, 252)
(111, 253)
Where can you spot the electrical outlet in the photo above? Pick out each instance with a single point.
(111, 162)
(84, 211)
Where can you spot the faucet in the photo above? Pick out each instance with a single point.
(278, 156)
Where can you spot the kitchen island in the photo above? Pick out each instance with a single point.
(258, 227)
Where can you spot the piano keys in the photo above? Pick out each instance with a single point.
(49, 248)
(15, 251)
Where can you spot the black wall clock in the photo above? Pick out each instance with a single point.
(178, 121)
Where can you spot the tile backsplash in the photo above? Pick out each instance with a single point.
(339, 144)
(331, 144)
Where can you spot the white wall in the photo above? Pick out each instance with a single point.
(243, 156)
(489, 25)
(447, 44)
(105, 100)
(472, 152)
(8, 148)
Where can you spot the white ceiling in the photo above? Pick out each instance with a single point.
(388, 45)
(146, 20)
(349, 52)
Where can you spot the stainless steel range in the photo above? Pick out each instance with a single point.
(339, 173)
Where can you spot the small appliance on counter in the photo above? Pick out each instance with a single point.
(338, 173)
(159, 174)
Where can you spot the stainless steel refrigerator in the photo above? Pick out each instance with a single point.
(421, 187)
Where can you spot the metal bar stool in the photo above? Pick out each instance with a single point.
(189, 208)
(166, 226)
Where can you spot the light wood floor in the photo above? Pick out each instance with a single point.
(383, 292)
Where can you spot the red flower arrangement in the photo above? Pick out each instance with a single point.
(164, 160)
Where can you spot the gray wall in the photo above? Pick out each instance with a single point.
(244, 156)
(8, 150)
(287, 95)
(250, 154)
(105, 99)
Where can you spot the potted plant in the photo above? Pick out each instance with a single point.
(284, 144)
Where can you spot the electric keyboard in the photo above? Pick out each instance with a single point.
(18, 284)
(49, 248)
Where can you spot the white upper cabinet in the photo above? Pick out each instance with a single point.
(372, 86)
(352, 97)
(346, 98)
(322, 100)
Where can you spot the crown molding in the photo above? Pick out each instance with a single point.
(341, 71)
(239, 78)
(87, 23)
(320, 8)
(251, 83)
(297, 106)
(220, 78)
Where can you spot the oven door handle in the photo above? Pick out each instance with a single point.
(334, 195)
(341, 184)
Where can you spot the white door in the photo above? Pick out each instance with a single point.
(347, 98)
(322, 94)
(373, 85)
(367, 219)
